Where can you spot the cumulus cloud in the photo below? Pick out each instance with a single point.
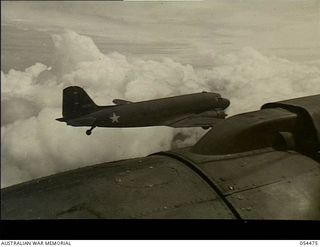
(35, 145)
(251, 79)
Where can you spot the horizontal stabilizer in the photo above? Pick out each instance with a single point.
(82, 121)
(61, 119)
(121, 102)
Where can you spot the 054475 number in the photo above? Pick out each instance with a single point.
(313, 243)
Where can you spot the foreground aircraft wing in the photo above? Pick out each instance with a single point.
(121, 102)
(194, 121)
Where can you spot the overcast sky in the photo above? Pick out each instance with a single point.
(286, 28)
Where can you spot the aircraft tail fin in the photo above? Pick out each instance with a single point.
(76, 103)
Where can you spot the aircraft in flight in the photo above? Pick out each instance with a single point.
(190, 110)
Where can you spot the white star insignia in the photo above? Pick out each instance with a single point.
(114, 118)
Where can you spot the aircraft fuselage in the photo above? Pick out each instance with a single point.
(153, 112)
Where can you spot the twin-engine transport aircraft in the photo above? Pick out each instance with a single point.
(191, 110)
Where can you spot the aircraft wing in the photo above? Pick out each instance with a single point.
(194, 121)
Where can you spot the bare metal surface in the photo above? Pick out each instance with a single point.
(267, 185)
(152, 187)
(295, 198)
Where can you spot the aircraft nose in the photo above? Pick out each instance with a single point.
(224, 103)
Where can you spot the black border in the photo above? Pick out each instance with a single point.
(160, 229)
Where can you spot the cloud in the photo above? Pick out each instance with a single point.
(250, 79)
(35, 145)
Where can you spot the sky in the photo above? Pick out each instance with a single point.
(251, 52)
(290, 28)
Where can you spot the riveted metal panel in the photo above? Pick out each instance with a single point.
(248, 172)
(265, 185)
(293, 198)
(151, 187)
